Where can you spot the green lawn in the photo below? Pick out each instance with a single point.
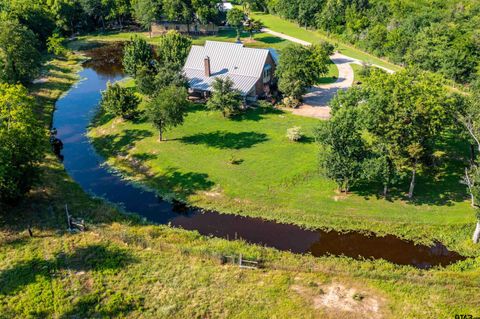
(278, 24)
(122, 267)
(278, 179)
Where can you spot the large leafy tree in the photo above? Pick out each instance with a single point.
(167, 109)
(224, 97)
(152, 80)
(301, 67)
(35, 16)
(68, 14)
(137, 53)
(173, 48)
(97, 10)
(179, 10)
(235, 18)
(468, 114)
(19, 57)
(406, 112)
(146, 12)
(206, 11)
(344, 151)
(120, 101)
(252, 26)
(20, 142)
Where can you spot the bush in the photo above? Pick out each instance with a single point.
(119, 101)
(55, 45)
(294, 134)
(291, 102)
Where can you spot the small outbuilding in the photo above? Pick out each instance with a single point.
(251, 70)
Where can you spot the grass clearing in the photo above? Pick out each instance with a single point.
(123, 267)
(278, 179)
(292, 29)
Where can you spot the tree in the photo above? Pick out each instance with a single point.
(301, 67)
(19, 57)
(20, 143)
(35, 16)
(207, 11)
(173, 48)
(235, 18)
(137, 52)
(146, 12)
(152, 80)
(469, 116)
(344, 151)
(224, 97)
(252, 26)
(119, 101)
(179, 10)
(55, 44)
(406, 112)
(167, 109)
(472, 180)
(95, 9)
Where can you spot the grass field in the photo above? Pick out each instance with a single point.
(125, 268)
(278, 179)
(292, 29)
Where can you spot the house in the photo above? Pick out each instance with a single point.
(225, 6)
(194, 28)
(251, 70)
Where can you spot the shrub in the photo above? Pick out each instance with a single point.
(55, 45)
(294, 134)
(291, 102)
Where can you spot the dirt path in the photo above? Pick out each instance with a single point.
(317, 100)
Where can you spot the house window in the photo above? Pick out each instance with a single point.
(267, 73)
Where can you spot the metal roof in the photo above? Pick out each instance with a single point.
(242, 65)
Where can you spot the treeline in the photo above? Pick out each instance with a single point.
(71, 16)
(437, 35)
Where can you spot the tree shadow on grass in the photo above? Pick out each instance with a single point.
(256, 114)
(116, 143)
(183, 184)
(439, 186)
(93, 257)
(270, 40)
(226, 140)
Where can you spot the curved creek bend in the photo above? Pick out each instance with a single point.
(73, 114)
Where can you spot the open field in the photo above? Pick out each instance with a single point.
(123, 267)
(274, 178)
(292, 29)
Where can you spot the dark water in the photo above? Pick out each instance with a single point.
(73, 114)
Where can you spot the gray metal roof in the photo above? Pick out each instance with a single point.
(242, 65)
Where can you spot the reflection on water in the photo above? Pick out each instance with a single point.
(106, 60)
(73, 114)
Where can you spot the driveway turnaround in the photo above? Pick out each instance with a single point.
(316, 101)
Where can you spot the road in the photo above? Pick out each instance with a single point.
(316, 102)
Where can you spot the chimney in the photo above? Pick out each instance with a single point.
(206, 62)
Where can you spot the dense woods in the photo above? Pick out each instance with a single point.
(436, 35)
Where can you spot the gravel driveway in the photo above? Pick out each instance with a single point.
(316, 101)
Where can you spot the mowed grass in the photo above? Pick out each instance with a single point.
(122, 267)
(278, 24)
(247, 166)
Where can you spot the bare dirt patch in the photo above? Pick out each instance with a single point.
(337, 297)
